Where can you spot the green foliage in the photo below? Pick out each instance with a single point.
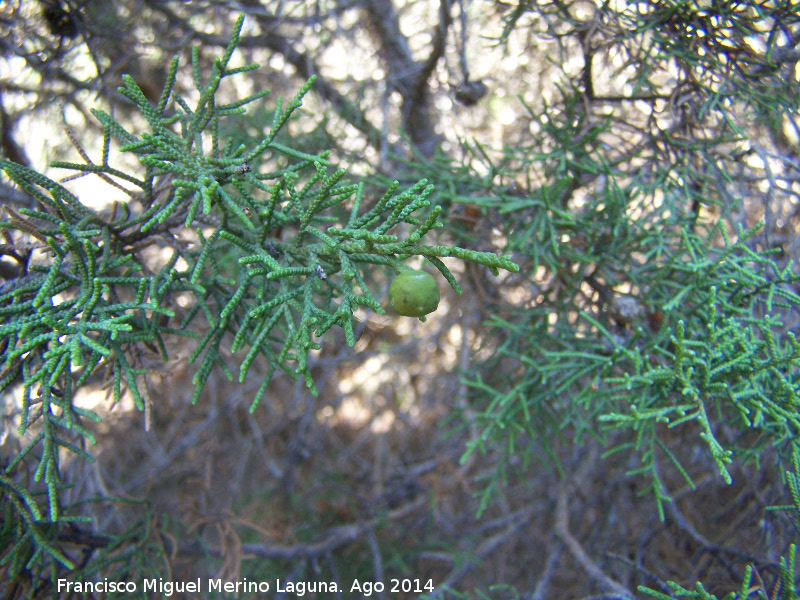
(652, 319)
(752, 585)
(785, 589)
(692, 342)
(793, 483)
(642, 314)
(281, 242)
(32, 543)
(733, 368)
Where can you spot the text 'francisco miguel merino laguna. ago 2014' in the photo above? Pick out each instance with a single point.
(298, 588)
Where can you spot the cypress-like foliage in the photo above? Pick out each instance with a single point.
(94, 305)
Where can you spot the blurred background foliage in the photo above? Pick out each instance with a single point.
(621, 413)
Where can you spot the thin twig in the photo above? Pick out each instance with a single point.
(540, 593)
(577, 551)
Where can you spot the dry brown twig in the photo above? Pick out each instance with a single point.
(592, 569)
